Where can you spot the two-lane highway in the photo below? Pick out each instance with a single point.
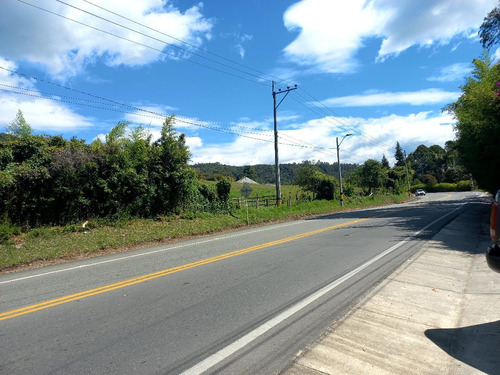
(243, 302)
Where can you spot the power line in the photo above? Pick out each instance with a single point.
(140, 112)
(142, 44)
(156, 39)
(347, 123)
(271, 77)
(162, 115)
(159, 116)
(309, 105)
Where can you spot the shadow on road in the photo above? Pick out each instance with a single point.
(478, 346)
(412, 218)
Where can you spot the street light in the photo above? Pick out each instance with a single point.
(340, 171)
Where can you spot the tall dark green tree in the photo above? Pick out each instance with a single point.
(399, 156)
(385, 162)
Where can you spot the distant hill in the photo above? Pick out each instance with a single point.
(264, 173)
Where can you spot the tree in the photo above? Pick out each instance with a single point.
(400, 156)
(396, 181)
(372, 175)
(223, 191)
(489, 32)
(385, 162)
(249, 171)
(477, 112)
(429, 160)
(175, 182)
(19, 127)
(310, 179)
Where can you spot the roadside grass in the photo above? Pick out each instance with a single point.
(55, 244)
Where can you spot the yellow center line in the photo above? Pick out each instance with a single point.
(140, 279)
(154, 275)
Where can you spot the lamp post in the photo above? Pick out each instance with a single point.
(340, 170)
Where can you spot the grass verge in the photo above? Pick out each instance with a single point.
(49, 245)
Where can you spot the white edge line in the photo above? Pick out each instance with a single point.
(225, 352)
(145, 253)
(154, 252)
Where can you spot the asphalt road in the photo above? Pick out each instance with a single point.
(239, 303)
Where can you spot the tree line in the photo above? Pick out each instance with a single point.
(265, 173)
(424, 167)
(50, 180)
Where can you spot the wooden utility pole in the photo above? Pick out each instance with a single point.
(407, 175)
(341, 192)
(276, 157)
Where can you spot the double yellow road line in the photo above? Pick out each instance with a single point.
(137, 280)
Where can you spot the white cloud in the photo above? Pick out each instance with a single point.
(332, 32)
(42, 114)
(452, 73)
(410, 131)
(194, 143)
(422, 97)
(241, 39)
(372, 137)
(64, 48)
(496, 55)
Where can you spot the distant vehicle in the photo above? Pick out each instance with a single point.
(493, 251)
(420, 192)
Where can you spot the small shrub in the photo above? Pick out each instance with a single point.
(443, 187)
(223, 190)
(7, 231)
(464, 186)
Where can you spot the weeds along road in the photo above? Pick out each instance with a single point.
(244, 302)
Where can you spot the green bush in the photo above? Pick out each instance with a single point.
(464, 186)
(7, 231)
(223, 190)
(414, 188)
(443, 187)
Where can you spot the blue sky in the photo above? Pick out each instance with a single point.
(381, 70)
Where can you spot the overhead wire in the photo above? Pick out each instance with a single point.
(190, 44)
(308, 104)
(141, 44)
(162, 41)
(114, 102)
(346, 123)
(184, 120)
(153, 115)
(156, 39)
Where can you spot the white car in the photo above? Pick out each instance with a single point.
(419, 192)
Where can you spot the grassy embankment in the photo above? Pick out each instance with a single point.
(53, 244)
